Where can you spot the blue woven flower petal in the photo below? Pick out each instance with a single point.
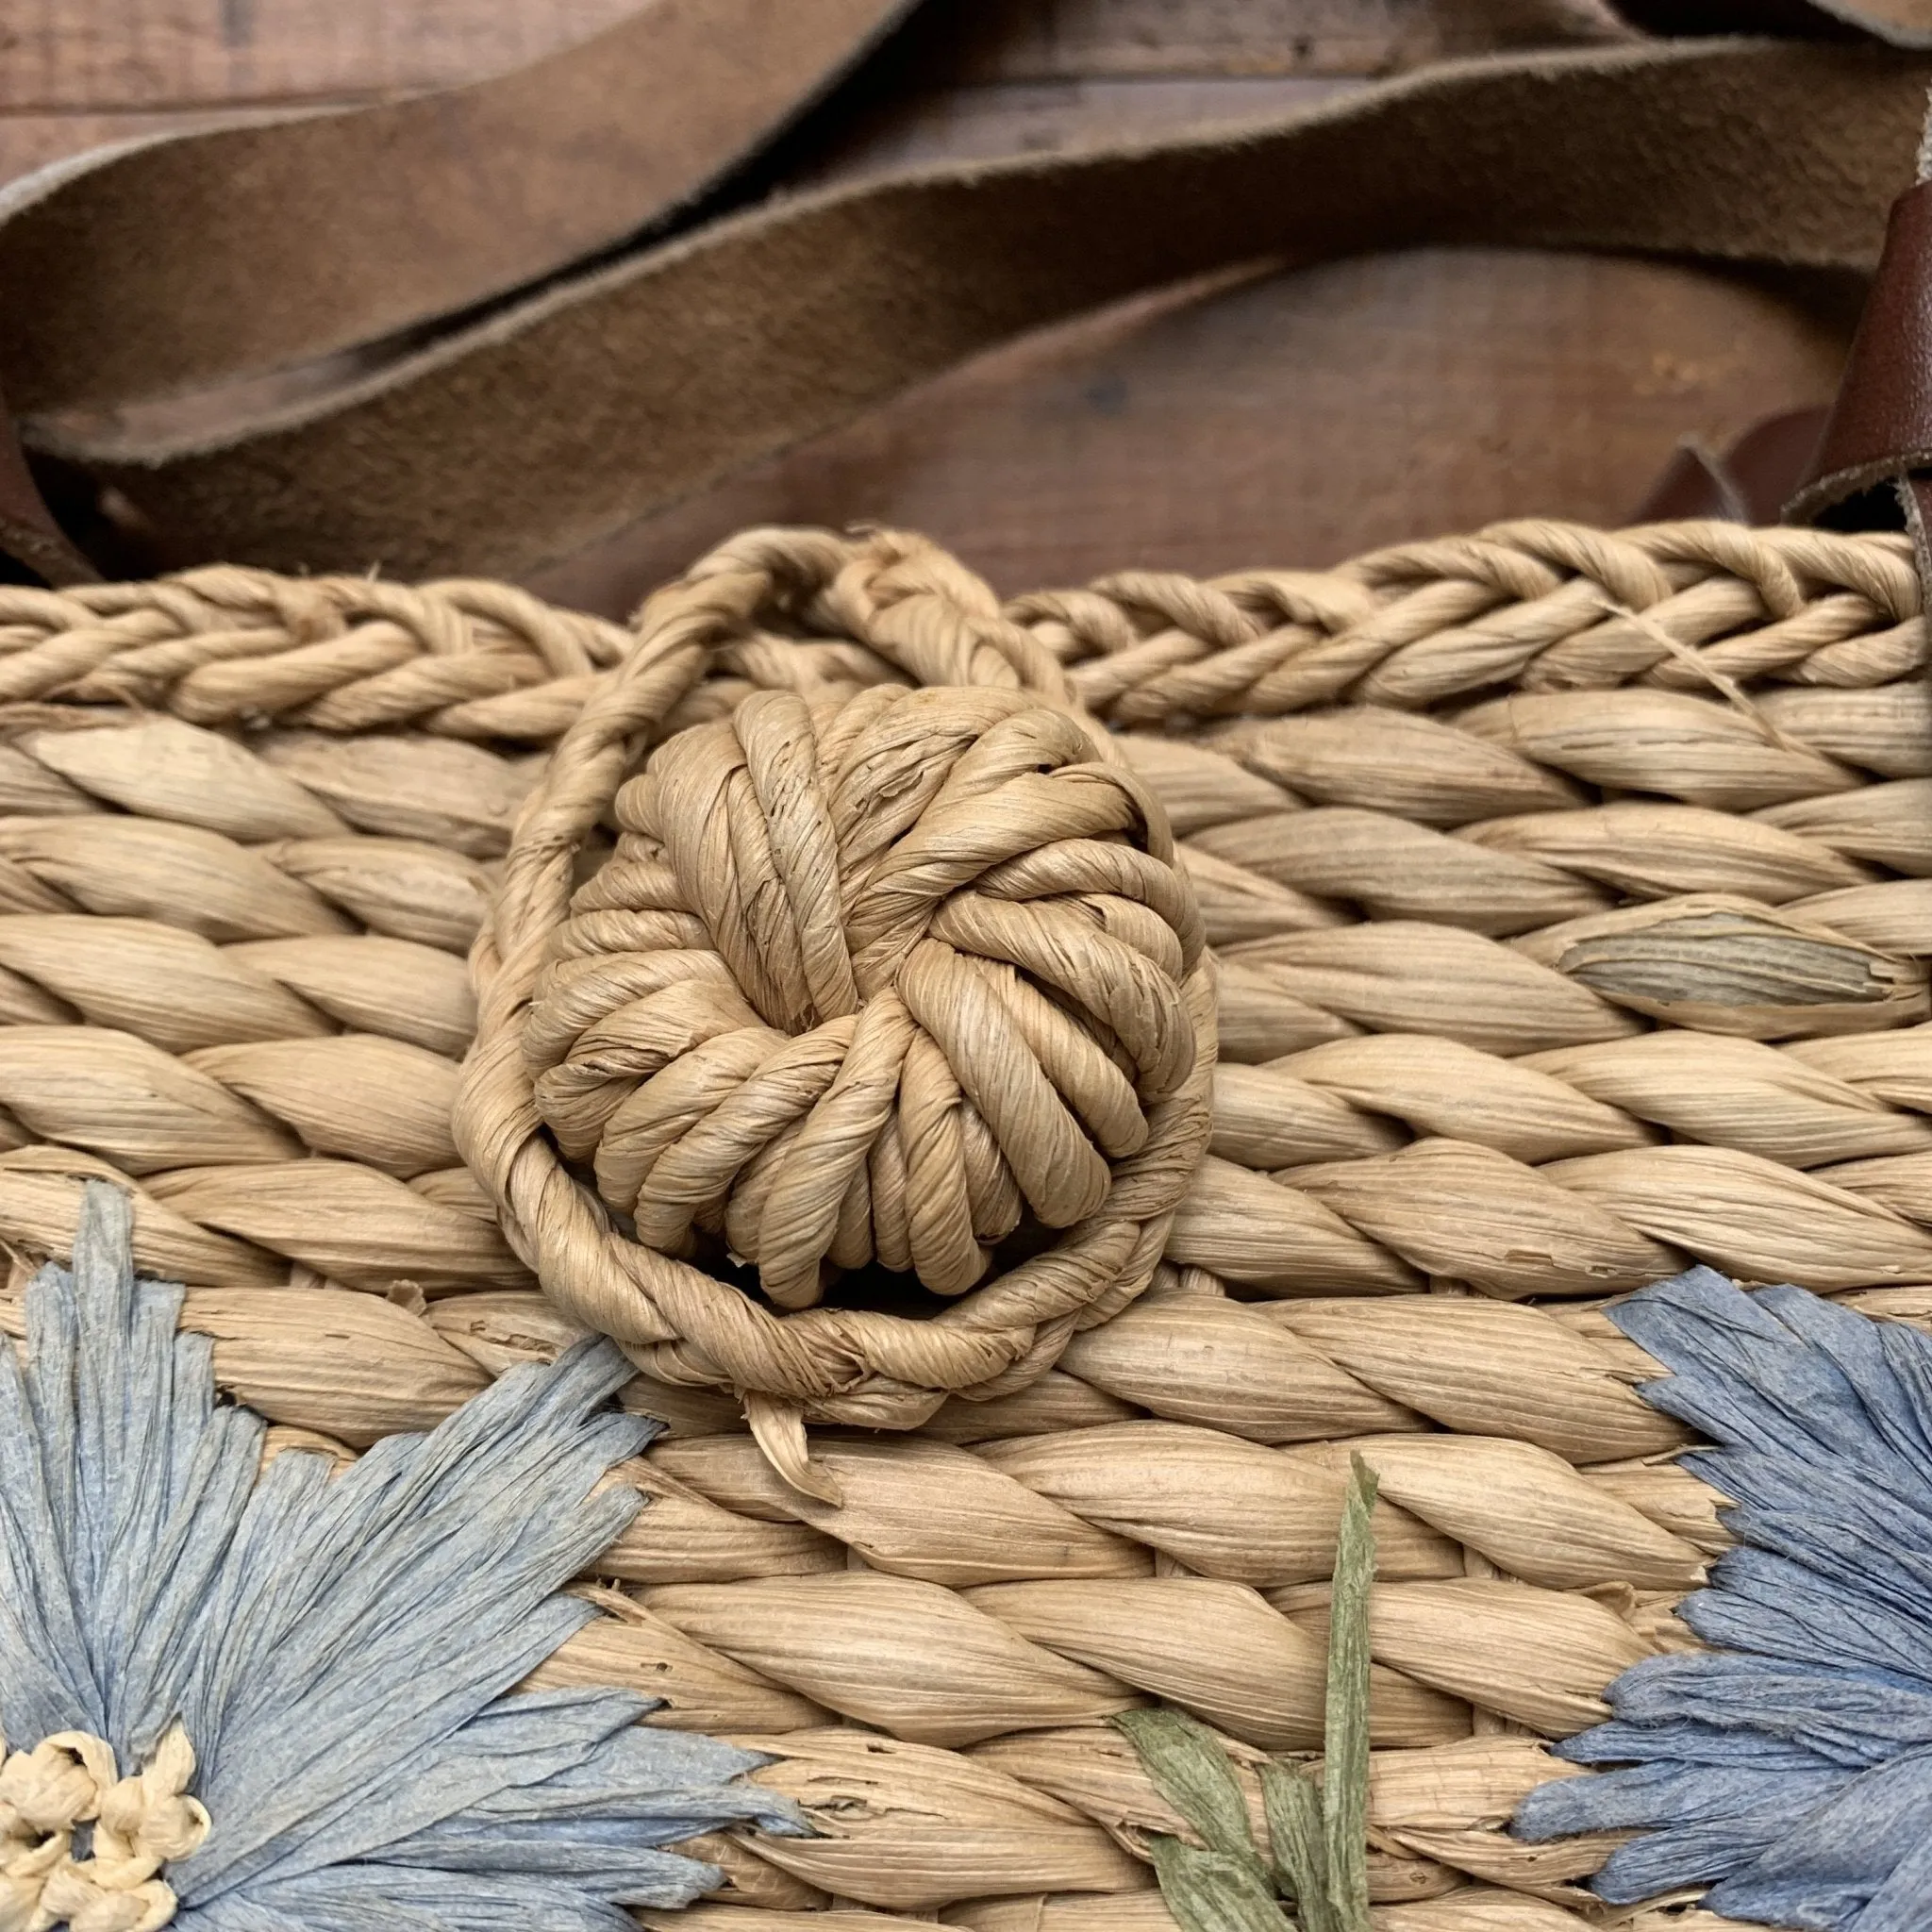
(342, 1652)
(1789, 1769)
(1827, 1865)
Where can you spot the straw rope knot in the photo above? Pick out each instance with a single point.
(140, 1823)
(887, 981)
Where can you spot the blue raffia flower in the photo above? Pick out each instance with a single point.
(309, 1680)
(1791, 1767)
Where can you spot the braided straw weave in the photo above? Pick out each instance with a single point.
(1562, 887)
(1627, 837)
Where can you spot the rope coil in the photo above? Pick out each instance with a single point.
(869, 982)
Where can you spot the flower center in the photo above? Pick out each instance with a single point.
(140, 1823)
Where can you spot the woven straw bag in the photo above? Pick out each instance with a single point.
(1565, 891)
(1050, 1096)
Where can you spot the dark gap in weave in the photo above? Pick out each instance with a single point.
(878, 1290)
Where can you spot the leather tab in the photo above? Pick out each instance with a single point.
(1880, 428)
(1773, 457)
(1748, 483)
(1695, 485)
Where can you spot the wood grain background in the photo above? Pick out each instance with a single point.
(1271, 418)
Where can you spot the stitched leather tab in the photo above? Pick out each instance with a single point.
(1880, 428)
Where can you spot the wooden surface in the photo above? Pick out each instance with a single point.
(74, 73)
(1285, 418)
(1293, 420)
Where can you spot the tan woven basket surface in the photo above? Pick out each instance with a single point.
(1567, 903)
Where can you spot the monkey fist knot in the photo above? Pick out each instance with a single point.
(881, 981)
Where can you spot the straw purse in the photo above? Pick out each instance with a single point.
(1564, 892)
(1079, 1115)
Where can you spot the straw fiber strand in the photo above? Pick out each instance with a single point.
(1565, 894)
(274, 997)
(226, 645)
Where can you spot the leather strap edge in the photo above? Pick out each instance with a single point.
(560, 421)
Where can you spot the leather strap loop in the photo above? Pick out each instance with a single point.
(138, 272)
(1748, 484)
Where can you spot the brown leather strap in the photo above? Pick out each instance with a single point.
(558, 422)
(136, 273)
(564, 416)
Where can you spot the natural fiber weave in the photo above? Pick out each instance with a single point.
(262, 917)
(1513, 888)
(1407, 881)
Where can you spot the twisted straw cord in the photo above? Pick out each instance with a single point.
(1809, 1104)
(1099, 1507)
(1532, 601)
(919, 610)
(1069, 1812)
(855, 1365)
(264, 840)
(1274, 1372)
(1032, 1559)
(344, 654)
(1543, 604)
(1485, 821)
(1561, 1142)
(1408, 1895)
(178, 875)
(353, 1096)
(183, 993)
(745, 1544)
(1090, 1630)
(308, 984)
(1078, 1581)
(264, 1223)
(1543, 1174)
(1886, 1248)
(63, 761)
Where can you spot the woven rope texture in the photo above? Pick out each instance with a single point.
(1569, 899)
